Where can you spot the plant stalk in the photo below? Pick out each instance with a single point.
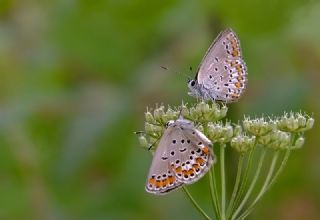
(195, 204)
(236, 185)
(254, 180)
(223, 183)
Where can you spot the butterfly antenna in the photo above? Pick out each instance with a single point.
(150, 147)
(164, 67)
(139, 132)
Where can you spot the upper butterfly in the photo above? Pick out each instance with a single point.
(222, 74)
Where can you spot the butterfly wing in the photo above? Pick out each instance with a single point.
(191, 155)
(161, 179)
(222, 73)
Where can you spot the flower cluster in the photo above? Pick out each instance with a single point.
(295, 122)
(218, 132)
(285, 132)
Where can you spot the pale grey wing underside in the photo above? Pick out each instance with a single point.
(161, 179)
(193, 156)
(222, 74)
(227, 81)
(183, 156)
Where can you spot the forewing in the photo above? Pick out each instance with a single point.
(191, 155)
(161, 179)
(222, 71)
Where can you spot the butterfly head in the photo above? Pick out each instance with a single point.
(192, 84)
(169, 123)
(193, 87)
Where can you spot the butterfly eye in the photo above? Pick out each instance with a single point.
(192, 83)
(169, 123)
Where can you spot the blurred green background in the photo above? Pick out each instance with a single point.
(76, 77)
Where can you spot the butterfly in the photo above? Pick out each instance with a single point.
(222, 74)
(183, 156)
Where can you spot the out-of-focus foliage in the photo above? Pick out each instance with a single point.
(76, 77)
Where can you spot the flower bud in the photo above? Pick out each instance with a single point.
(279, 140)
(148, 128)
(149, 117)
(143, 141)
(204, 107)
(228, 131)
(169, 115)
(200, 128)
(219, 133)
(237, 130)
(223, 111)
(310, 123)
(292, 124)
(258, 126)
(153, 129)
(185, 111)
(194, 114)
(301, 121)
(299, 143)
(264, 140)
(158, 113)
(243, 143)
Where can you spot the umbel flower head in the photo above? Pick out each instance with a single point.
(243, 143)
(258, 126)
(274, 133)
(219, 132)
(295, 122)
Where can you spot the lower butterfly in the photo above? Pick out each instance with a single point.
(183, 156)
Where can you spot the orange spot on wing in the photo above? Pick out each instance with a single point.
(178, 169)
(239, 78)
(195, 165)
(152, 181)
(235, 53)
(171, 179)
(190, 171)
(235, 95)
(205, 150)
(199, 160)
(238, 85)
(165, 182)
(239, 69)
(158, 183)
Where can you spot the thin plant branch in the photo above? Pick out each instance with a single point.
(213, 192)
(236, 185)
(252, 185)
(244, 181)
(223, 183)
(264, 187)
(195, 204)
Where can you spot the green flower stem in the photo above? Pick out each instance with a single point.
(254, 180)
(195, 204)
(213, 192)
(264, 187)
(244, 181)
(223, 183)
(236, 185)
(280, 169)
